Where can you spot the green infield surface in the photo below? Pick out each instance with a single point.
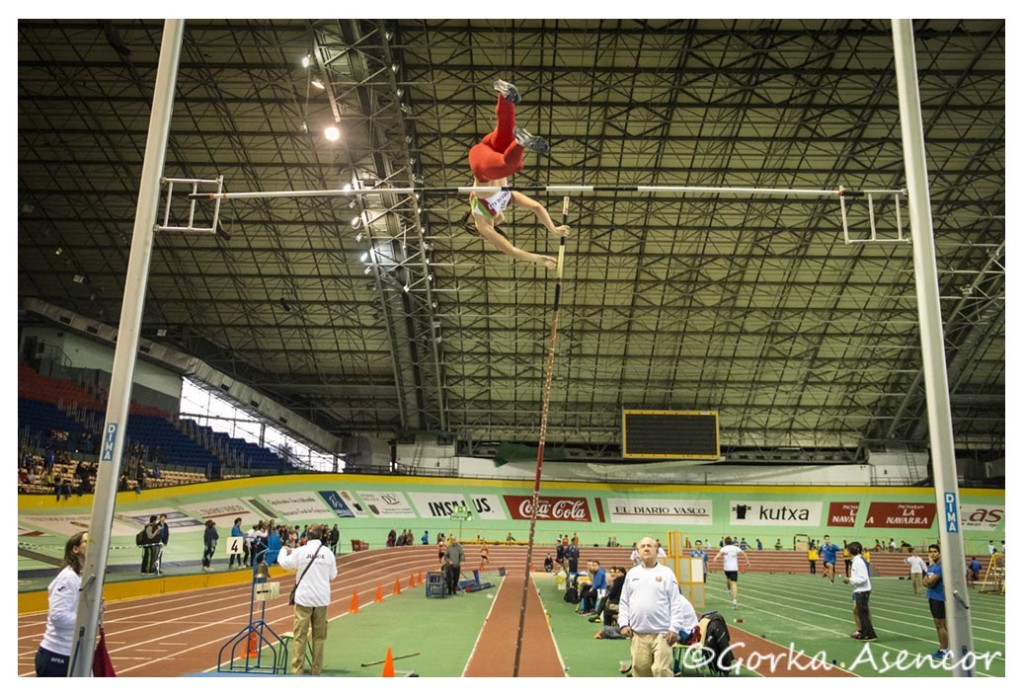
(786, 615)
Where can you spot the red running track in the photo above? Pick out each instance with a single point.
(181, 633)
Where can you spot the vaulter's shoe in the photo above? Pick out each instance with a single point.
(507, 90)
(531, 142)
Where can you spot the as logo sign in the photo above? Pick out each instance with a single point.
(988, 517)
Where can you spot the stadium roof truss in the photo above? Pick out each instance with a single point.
(381, 314)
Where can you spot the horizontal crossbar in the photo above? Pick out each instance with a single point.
(559, 189)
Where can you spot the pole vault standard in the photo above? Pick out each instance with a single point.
(548, 370)
(933, 355)
(123, 370)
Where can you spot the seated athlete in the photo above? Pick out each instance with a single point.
(493, 160)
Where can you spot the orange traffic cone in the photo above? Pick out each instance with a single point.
(421, 577)
(389, 665)
(354, 607)
(412, 581)
(398, 587)
(380, 593)
(253, 648)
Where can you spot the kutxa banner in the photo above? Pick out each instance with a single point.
(560, 509)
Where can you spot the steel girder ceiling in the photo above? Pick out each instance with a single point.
(755, 307)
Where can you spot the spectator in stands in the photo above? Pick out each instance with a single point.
(60, 488)
(150, 541)
(392, 539)
(236, 532)
(53, 656)
(156, 473)
(210, 538)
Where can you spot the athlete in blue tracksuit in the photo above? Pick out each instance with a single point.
(937, 599)
(828, 552)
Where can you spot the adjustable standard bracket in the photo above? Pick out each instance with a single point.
(193, 199)
(874, 238)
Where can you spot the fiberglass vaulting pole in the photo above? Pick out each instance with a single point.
(122, 373)
(550, 368)
(929, 311)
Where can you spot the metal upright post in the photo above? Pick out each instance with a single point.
(123, 370)
(940, 421)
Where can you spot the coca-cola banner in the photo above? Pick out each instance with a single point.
(520, 507)
(660, 511)
(908, 515)
(842, 514)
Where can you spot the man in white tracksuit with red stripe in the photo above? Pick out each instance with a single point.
(652, 612)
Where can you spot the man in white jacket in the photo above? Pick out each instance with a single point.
(652, 612)
(861, 583)
(315, 567)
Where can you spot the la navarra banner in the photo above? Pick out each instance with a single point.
(901, 515)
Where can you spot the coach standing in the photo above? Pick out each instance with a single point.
(653, 612)
(315, 567)
(453, 557)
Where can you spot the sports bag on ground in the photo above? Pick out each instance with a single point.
(716, 644)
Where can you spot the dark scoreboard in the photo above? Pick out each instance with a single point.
(670, 434)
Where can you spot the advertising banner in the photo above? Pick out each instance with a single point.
(437, 505)
(388, 504)
(842, 514)
(982, 517)
(787, 513)
(905, 515)
(487, 507)
(176, 520)
(561, 509)
(337, 503)
(220, 510)
(68, 525)
(298, 506)
(659, 511)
